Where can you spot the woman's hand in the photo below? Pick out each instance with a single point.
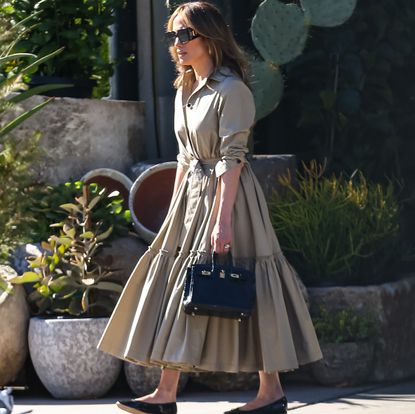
(221, 237)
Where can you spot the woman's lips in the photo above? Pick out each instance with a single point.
(181, 53)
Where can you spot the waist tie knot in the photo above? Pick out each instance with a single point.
(205, 166)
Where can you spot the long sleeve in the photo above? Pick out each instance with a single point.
(236, 116)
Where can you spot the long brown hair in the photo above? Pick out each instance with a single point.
(207, 20)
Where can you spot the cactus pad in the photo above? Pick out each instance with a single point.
(267, 87)
(279, 31)
(328, 13)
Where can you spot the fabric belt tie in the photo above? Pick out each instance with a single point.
(204, 166)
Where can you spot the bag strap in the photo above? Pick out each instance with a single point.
(229, 262)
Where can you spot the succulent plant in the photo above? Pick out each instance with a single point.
(267, 86)
(279, 32)
(328, 13)
(67, 275)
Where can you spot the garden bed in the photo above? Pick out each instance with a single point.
(393, 307)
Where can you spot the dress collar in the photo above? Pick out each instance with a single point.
(218, 74)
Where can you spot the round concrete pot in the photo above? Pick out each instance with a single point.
(65, 357)
(150, 198)
(14, 318)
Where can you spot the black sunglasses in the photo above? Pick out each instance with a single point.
(184, 35)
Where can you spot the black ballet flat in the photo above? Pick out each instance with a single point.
(277, 407)
(141, 407)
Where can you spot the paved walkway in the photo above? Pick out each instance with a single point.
(392, 398)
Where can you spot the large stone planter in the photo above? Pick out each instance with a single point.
(79, 135)
(344, 364)
(65, 357)
(393, 306)
(14, 318)
(144, 380)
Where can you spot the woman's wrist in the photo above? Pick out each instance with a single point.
(224, 218)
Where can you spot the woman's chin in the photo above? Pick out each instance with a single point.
(183, 60)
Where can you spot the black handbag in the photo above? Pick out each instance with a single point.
(219, 290)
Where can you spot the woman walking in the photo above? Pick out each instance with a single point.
(217, 205)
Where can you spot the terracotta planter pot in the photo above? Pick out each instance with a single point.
(150, 198)
(112, 180)
(66, 360)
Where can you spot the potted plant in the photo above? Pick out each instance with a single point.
(82, 28)
(347, 343)
(71, 299)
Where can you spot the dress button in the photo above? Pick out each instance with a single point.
(189, 106)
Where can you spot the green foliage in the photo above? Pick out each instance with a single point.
(81, 27)
(67, 276)
(345, 325)
(45, 202)
(6, 287)
(13, 67)
(267, 86)
(280, 30)
(328, 13)
(16, 156)
(337, 230)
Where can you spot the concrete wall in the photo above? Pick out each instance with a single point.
(79, 135)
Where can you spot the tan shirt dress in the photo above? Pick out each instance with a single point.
(148, 325)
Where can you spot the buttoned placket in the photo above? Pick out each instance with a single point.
(188, 104)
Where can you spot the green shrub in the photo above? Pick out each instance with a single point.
(15, 219)
(82, 27)
(46, 201)
(345, 325)
(337, 230)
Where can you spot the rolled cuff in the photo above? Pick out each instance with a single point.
(228, 162)
(183, 161)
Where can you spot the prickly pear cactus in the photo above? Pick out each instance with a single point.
(328, 13)
(267, 87)
(279, 31)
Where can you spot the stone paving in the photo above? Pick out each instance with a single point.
(386, 398)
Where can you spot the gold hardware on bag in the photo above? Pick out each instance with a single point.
(235, 275)
(206, 273)
(222, 274)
